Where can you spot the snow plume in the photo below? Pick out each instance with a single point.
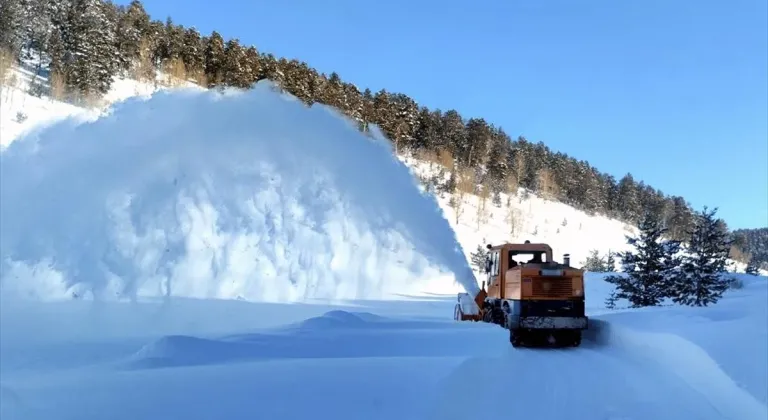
(194, 193)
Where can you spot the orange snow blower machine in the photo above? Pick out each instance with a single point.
(537, 299)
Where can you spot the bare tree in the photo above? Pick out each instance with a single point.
(58, 85)
(482, 195)
(548, 188)
(175, 72)
(465, 184)
(6, 63)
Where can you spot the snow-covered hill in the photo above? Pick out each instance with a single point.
(523, 216)
(188, 196)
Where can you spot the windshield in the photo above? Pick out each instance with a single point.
(518, 257)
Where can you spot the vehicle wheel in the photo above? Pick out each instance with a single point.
(514, 339)
(498, 317)
(576, 342)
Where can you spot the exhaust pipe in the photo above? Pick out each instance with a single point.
(567, 259)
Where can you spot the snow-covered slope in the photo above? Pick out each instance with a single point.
(525, 216)
(21, 112)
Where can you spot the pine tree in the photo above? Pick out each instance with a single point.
(610, 261)
(131, 26)
(701, 281)
(235, 72)
(214, 59)
(478, 258)
(628, 202)
(752, 243)
(752, 268)
(11, 24)
(649, 270)
(93, 47)
(594, 263)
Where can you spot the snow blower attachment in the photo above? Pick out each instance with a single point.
(538, 300)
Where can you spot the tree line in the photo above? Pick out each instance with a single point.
(88, 42)
(753, 243)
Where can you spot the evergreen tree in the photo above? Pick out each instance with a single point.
(11, 24)
(478, 258)
(214, 59)
(752, 267)
(92, 46)
(235, 69)
(36, 26)
(701, 281)
(497, 162)
(132, 27)
(56, 52)
(428, 129)
(648, 271)
(610, 262)
(752, 243)
(171, 45)
(192, 53)
(628, 201)
(594, 263)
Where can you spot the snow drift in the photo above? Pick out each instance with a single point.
(193, 193)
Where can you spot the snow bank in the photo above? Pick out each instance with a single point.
(238, 195)
(735, 325)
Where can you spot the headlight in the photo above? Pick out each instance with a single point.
(578, 292)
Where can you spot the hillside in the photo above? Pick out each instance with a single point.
(131, 45)
(754, 244)
(358, 265)
(483, 217)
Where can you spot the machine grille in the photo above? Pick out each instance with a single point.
(552, 288)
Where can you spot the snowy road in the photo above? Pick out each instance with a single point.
(347, 363)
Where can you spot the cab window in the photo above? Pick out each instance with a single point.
(495, 263)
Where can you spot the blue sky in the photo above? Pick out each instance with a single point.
(674, 92)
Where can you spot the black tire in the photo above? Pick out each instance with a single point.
(497, 317)
(576, 342)
(515, 339)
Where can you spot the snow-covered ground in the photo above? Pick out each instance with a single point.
(243, 256)
(207, 359)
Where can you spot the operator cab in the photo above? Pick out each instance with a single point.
(516, 255)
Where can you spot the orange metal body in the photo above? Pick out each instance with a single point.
(537, 301)
(543, 280)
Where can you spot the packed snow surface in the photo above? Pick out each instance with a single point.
(194, 193)
(407, 359)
